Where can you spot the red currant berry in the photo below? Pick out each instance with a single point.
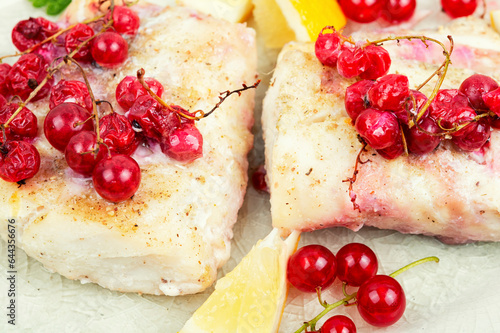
(380, 129)
(338, 324)
(81, 152)
(492, 101)
(356, 263)
(311, 267)
(26, 74)
(352, 62)
(408, 109)
(379, 62)
(399, 10)
(28, 33)
(3, 102)
(475, 86)
(392, 152)
(116, 178)
(362, 11)
(125, 21)
(184, 144)
(446, 105)
(356, 98)
(389, 92)
(419, 142)
(259, 179)
(495, 122)
(70, 91)
(381, 301)
(109, 50)
(19, 160)
(117, 134)
(327, 47)
(459, 8)
(4, 79)
(24, 125)
(473, 136)
(129, 89)
(76, 36)
(64, 121)
(152, 119)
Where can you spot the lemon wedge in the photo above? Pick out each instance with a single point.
(284, 20)
(495, 20)
(231, 10)
(250, 298)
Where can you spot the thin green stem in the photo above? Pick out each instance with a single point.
(413, 264)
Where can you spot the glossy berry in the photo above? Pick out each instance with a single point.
(259, 179)
(184, 144)
(76, 36)
(446, 105)
(4, 82)
(352, 62)
(338, 324)
(362, 11)
(381, 301)
(459, 8)
(81, 152)
(473, 136)
(396, 11)
(475, 86)
(356, 263)
(3, 102)
(328, 47)
(495, 122)
(379, 62)
(64, 121)
(393, 151)
(19, 160)
(129, 89)
(70, 91)
(492, 101)
(117, 134)
(312, 266)
(152, 119)
(380, 129)
(28, 33)
(125, 21)
(408, 110)
(109, 50)
(356, 98)
(24, 125)
(419, 142)
(25, 75)
(389, 92)
(116, 178)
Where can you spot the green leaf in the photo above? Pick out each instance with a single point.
(54, 8)
(39, 3)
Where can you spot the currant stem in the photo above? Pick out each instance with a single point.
(352, 179)
(140, 76)
(91, 93)
(441, 71)
(413, 264)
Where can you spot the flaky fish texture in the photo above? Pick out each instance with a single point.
(311, 148)
(175, 232)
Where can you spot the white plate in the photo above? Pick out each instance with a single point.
(460, 294)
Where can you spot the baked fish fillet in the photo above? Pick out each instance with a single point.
(311, 147)
(175, 232)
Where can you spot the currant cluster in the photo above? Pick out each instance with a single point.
(380, 299)
(392, 118)
(69, 125)
(366, 11)
(396, 11)
(170, 125)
